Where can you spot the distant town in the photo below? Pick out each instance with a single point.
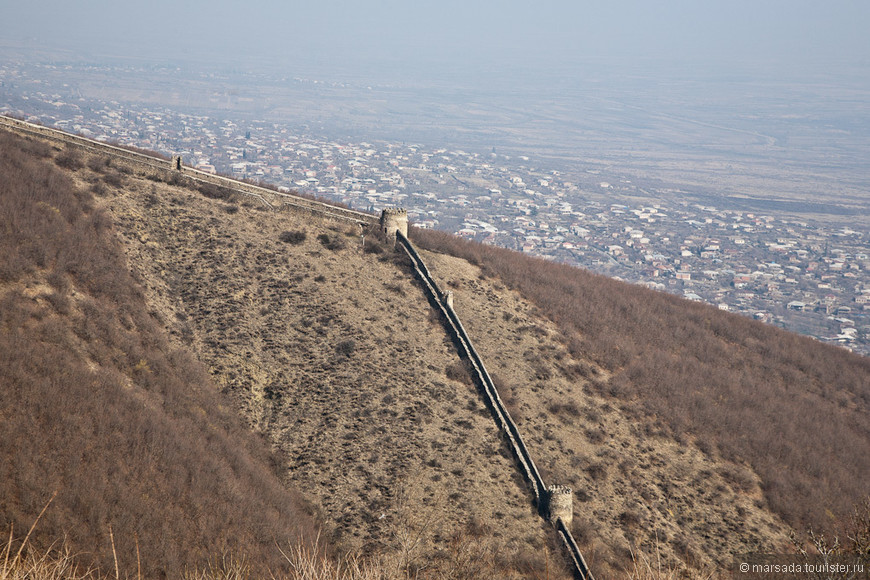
(808, 277)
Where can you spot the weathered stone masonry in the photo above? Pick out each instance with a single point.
(394, 220)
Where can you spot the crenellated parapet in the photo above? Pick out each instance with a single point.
(560, 504)
(394, 219)
(448, 299)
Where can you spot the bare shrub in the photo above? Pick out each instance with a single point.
(597, 471)
(395, 288)
(34, 147)
(507, 394)
(645, 567)
(69, 159)
(176, 178)
(113, 179)
(98, 164)
(212, 191)
(738, 476)
(293, 238)
(569, 409)
(584, 531)
(345, 348)
(596, 435)
(331, 242)
(459, 371)
(859, 529)
(98, 188)
(374, 247)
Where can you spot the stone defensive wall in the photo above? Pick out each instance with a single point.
(581, 569)
(553, 503)
(269, 197)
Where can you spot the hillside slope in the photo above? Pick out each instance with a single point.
(656, 411)
(97, 405)
(335, 355)
(787, 413)
(635, 488)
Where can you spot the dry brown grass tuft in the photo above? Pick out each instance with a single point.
(50, 564)
(307, 563)
(645, 567)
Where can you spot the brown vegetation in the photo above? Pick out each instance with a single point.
(469, 559)
(294, 238)
(96, 405)
(335, 358)
(794, 409)
(331, 354)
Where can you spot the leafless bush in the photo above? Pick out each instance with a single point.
(597, 471)
(176, 178)
(331, 242)
(213, 191)
(98, 164)
(69, 159)
(459, 371)
(34, 147)
(374, 247)
(98, 188)
(113, 179)
(645, 567)
(293, 237)
(345, 348)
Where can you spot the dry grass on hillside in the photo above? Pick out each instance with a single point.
(793, 409)
(335, 358)
(97, 405)
(636, 490)
(303, 562)
(333, 355)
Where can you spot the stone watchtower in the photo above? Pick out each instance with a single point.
(394, 220)
(560, 504)
(176, 162)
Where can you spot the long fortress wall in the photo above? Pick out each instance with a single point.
(545, 498)
(269, 197)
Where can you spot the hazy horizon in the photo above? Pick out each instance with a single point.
(735, 93)
(451, 39)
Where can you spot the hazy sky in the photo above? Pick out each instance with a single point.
(384, 33)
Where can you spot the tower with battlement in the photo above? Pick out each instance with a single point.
(448, 299)
(394, 219)
(560, 504)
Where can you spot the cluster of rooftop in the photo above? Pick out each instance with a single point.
(807, 276)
